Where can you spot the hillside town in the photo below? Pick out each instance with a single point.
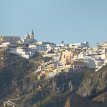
(62, 57)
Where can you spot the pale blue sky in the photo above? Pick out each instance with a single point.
(55, 20)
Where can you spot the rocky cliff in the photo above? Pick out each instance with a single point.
(19, 85)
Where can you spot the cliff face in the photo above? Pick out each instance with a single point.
(83, 89)
(16, 79)
(94, 83)
(92, 91)
(78, 101)
(19, 85)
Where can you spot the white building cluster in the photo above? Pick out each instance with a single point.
(25, 47)
(19, 46)
(84, 45)
(62, 56)
(66, 58)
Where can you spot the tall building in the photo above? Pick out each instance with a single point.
(32, 34)
(29, 38)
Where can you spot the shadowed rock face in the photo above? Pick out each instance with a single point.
(94, 83)
(87, 89)
(15, 75)
(81, 102)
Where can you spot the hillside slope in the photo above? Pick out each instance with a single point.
(19, 85)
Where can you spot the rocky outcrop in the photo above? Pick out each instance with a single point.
(94, 83)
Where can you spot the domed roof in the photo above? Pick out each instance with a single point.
(27, 36)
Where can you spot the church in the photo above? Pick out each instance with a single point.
(29, 39)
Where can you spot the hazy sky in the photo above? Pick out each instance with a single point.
(55, 20)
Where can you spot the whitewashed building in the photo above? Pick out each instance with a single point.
(5, 44)
(93, 62)
(8, 45)
(82, 55)
(78, 64)
(24, 52)
(79, 45)
(44, 48)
